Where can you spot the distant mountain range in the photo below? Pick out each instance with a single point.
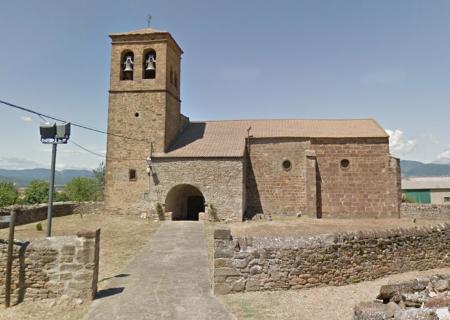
(23, 177)
(419, 169)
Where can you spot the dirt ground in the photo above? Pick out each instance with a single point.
(304, 226)
(325, 303)
(121, 237)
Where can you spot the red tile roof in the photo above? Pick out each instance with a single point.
(227, 138)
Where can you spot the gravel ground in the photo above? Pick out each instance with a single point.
(325, 303)
(121, 237)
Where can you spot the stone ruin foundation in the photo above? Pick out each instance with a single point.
(424, 298)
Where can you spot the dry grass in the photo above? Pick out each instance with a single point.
(325, 303)
(121, 237)
(304, 226)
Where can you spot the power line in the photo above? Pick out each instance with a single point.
(101, 155)
(87, 150)
(41, 115)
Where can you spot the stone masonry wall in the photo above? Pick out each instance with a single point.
(145, 110)
(220, 181)
(425, 211)
(32, 213)
(369, 187)
(273, 263)
(52, 267)
(270, 188)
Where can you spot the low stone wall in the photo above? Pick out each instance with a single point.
(32, 213)
(272, 263)
(425, 211)
(52, 267)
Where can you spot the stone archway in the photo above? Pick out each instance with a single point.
(185, 202)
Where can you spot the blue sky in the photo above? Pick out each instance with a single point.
(385, 59)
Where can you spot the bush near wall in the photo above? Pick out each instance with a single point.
(8, 194)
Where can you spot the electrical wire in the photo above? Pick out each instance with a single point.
(42, 116)
(87, 150)
(102, 155)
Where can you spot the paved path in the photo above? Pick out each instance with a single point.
(168, 279)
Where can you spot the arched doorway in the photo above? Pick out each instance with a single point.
(185, 202)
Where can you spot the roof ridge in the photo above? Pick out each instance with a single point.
(289, 119)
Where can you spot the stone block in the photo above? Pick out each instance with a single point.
(225, 272)
(223, 262)
(416, 314)
(85, 255)
(222, 232)
(70, 267)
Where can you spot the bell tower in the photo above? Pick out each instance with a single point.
(144, 106)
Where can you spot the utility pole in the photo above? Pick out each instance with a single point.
(53, 134)
(51, 190)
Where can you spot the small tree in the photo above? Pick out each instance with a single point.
(8, 194)
(83, 189)
(36, 192)
(99, 174)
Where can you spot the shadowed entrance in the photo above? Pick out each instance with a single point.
(185, 202)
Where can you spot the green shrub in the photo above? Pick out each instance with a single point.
(39, 227)
(36, 192)
(99, 174)
(8, 194)
(83, 189)
(160, 212)
(60, 197)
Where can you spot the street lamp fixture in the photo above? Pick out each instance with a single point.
(54, 134)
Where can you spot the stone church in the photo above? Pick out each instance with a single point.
(155, 154)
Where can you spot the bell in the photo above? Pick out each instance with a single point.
(128, 64)
(150, 63)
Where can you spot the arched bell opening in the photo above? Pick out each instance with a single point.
(127, 65)
(149, 67)
(185, 202)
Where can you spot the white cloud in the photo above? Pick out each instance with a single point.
(398, 144)
(13, 163)
(444, 156)
(26, 119)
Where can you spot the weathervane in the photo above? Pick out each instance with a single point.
(149, 19)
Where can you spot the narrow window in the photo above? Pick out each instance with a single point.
(171, 76)
(127, 66)
(175, 80)
(149, 66)
(132, 175)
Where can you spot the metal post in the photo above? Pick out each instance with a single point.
(50, 191)
(10, 259)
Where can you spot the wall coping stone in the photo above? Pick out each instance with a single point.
(222, 232)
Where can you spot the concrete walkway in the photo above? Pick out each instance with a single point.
(168, 279)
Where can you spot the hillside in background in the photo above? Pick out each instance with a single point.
(23, 177)
(419, 169)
